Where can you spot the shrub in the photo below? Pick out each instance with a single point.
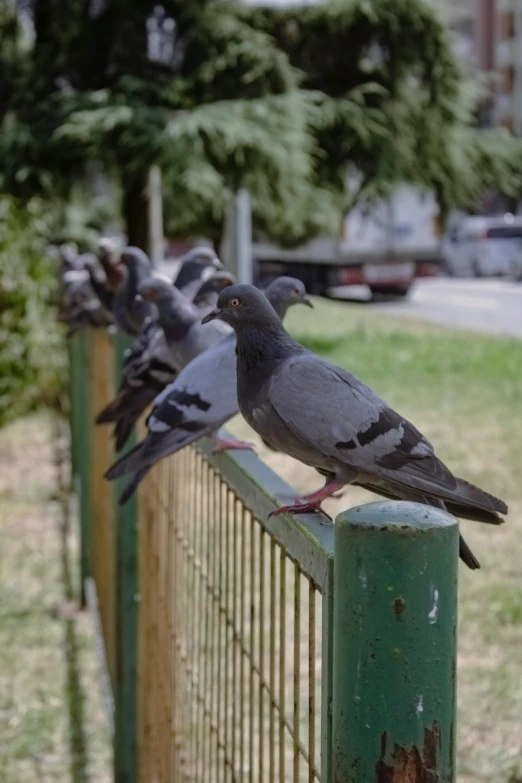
(32, 347)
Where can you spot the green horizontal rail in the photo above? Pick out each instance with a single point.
(307, 538)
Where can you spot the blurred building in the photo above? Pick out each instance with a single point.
(508, 62)
(488, 39)
(473, 25)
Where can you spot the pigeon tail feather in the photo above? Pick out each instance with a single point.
(123, 429)
(124, 464)
(131, 487)
(480, 498)
(111, 411)
(154, 447)
(467, 556)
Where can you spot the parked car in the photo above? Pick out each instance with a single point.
(485, 246)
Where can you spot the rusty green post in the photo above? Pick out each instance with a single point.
(395, 618)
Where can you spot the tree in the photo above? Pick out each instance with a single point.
(290, 104)
(204, 94)
(395, 106)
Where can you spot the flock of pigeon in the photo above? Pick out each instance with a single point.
(205, 348)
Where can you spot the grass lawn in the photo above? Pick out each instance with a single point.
(464, 392)
(51, 723)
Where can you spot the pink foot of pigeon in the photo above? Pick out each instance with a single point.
(224, 444)
(309, 503)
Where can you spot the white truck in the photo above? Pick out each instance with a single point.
(384, 247)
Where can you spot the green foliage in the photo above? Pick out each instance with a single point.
(291, 103)
(414, 117)
(32, 358)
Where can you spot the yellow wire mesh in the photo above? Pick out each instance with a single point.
(229, 636)
(230, 667)
(101, 391)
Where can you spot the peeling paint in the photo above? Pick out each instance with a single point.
(409, 764)
(420, 705)
(399, 605)
(434, 611)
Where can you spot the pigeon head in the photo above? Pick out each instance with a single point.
(68, 253)
(240, 305)
(93, 266)
(108, 251)
(156, 289)
(194, 264)
(135, 259)
(213, 285)
(110, 259)
(283, 292)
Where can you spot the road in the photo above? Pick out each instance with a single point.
(490, 305)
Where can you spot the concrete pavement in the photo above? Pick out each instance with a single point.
(488, 305)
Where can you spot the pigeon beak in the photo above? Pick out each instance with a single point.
(211, 316)
(307, 301)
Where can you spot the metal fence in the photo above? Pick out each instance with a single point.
(219, 629)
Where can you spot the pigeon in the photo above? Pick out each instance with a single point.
(100, 284)
(194, 265)
(115, 272)
(200, 400)
(149, 366)
(130, 314)
(79, 305)
(207, 293)
(325, 417)
(180, 320)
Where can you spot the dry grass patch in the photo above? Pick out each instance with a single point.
(51, 725)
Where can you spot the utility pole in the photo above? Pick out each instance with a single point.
(155, 210)
(236, 248)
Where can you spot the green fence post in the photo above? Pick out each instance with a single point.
(127, 603)
(73, 348)
(81, 453)
(395, 616)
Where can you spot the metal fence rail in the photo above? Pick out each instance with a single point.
(220, 628)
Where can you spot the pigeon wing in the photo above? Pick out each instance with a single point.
(338, 415)
(204, 392)
(197, 403)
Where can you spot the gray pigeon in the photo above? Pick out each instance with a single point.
(207, 293)
(194, 265)
(150, 366)
(99, 283)
(130, 314)
(200, 400)
(180, 320)
(109, 258)
(80, 305)
(327, 418)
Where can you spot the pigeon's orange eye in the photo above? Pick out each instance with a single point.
(234, 302)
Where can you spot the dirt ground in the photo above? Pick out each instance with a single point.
(52, 727)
